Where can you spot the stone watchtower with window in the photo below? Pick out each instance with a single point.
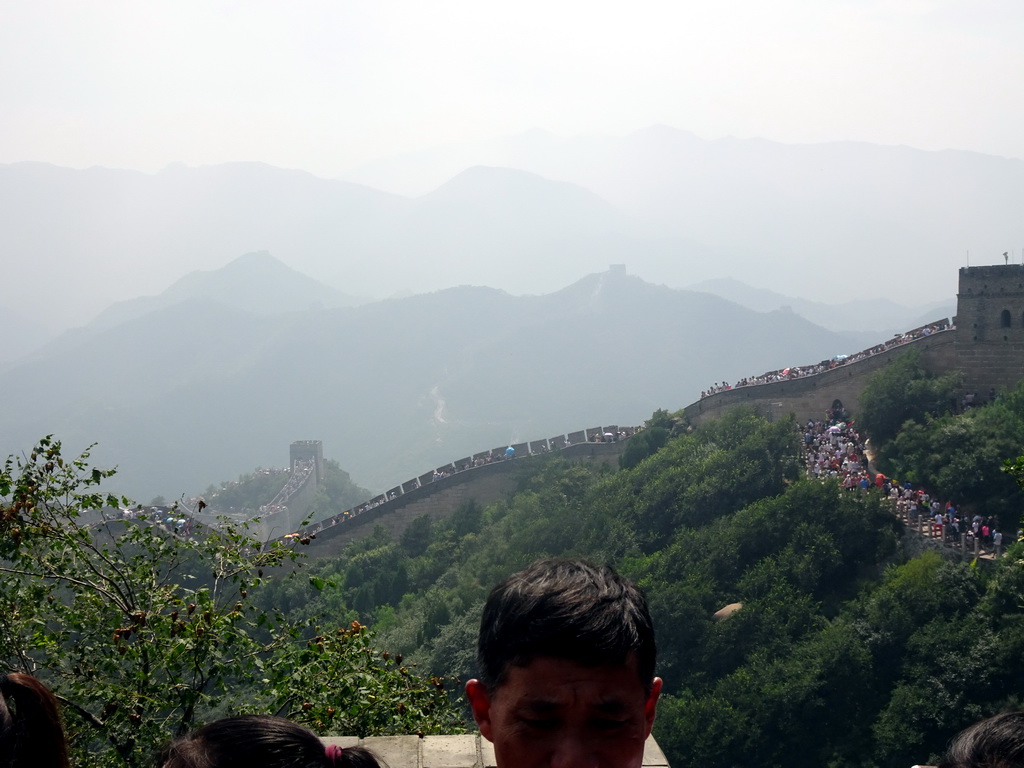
(990, 327)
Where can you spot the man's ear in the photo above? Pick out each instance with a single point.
(651, 705)
(480, 703)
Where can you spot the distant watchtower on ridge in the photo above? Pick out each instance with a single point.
(304, 450)
(990, 326)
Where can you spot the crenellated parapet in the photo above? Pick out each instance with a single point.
(485, 478)
(810, 397)
(985, 343)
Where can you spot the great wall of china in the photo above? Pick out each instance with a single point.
(985, 343)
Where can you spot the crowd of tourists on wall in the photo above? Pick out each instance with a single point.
(168, 518)
(300, 473)
(799, 372)
(171, 519)
(211, 497)
(834, 449)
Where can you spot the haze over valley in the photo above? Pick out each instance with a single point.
(824, 223)
(220, 372)
(438, 195)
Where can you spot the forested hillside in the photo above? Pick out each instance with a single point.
(144, 633)
(478, 368)
(847, 651)
(853, 644)
(928, 431)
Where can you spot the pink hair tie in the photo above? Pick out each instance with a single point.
(333, 752)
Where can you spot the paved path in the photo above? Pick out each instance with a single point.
(925, 528)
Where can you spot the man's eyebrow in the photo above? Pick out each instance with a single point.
(612, 707)
(538, 705)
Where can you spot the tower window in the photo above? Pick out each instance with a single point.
(1004, 319)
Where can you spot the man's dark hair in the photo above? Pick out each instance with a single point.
(997, 742)
(567, 609)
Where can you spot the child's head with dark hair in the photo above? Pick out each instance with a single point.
(996, 742)
(31, 735)
(568, 609)
(259, 741)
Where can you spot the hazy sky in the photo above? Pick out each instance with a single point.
(324, 85)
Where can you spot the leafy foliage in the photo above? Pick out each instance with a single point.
(249, 492)
(704, 475)
(844, 652)
(144, 634)
(904, 391)
(838, 633)
(336, 493)
(650, 440)
(962, 457)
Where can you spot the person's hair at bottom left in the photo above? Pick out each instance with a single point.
(259, 741)
(31, 735)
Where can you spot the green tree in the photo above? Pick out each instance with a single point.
(961, 457)
(904, 391)
(144, 634)
(658, 429)
(337, 492)
(416, 538)
(700, 476)
(467, 517)
(250, 492)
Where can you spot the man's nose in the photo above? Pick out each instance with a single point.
(574, 751)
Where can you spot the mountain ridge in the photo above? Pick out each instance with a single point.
(127, 233)
(675, 208)
(191, 394)
(256, 282)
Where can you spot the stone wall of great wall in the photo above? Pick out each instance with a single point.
(484, 485)
(483, 477)
(811, 396)
(986, 344)
(299, 502)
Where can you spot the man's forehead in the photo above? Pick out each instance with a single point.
(551, 680)
(630, 662)
(613, 703)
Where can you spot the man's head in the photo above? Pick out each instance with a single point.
(566, 655)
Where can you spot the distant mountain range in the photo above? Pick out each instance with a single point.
(815, 221)
(256, 282)
(795, 254)
(882, 316)
(198, 384)
(81, 240)
(528, 215)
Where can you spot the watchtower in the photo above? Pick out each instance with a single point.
(303, 450)
(990, 326)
